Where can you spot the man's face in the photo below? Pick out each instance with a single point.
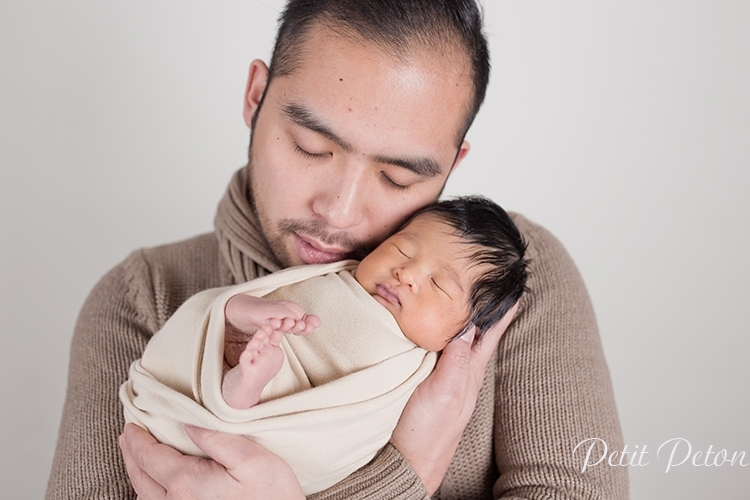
(423, 275)
(350, 144)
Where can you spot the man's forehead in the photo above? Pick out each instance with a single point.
(323, 45)
(440, 48)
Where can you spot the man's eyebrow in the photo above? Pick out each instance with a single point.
(424, 167)
(305, 118)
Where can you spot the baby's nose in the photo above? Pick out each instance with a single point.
(406, 277)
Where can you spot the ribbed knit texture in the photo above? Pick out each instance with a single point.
(238, 232)
(546, 389)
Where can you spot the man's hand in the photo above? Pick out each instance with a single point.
(239, 468)
(430, 428)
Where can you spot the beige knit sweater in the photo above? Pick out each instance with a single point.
(546, 388)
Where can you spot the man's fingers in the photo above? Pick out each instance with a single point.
(252, 471)
(229, 450)
(455, 359)
(460, 360)
(136, 446)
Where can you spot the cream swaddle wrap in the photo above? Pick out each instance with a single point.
(332, 406)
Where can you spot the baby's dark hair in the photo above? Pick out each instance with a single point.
(482, 223)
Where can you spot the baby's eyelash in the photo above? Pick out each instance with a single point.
(401, 251)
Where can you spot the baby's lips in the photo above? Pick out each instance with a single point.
(388, 293)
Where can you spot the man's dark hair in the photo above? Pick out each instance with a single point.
(483, 224)
(395, 26)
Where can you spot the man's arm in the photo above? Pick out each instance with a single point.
(122, 312)
(112, 331)
(552, 386)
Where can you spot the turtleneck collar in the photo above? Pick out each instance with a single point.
(241, 242)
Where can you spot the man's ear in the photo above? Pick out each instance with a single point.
(257, 79)
(462, 152)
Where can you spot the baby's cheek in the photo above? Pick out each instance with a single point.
(410, 331)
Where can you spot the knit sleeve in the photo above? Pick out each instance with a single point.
(553, 388)
(113, 328)
(123, 311)
(387, 477)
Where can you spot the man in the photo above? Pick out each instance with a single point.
(358, 122)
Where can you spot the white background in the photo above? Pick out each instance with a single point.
(624, 127)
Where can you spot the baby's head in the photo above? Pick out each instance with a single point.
(453, 264)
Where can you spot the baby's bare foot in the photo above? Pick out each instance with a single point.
(259, 363)
(247, 313)
(261, 324)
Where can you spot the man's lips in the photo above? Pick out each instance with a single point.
(388, 293)
(312, 252)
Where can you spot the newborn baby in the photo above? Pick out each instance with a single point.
(452, 265)
(365, 336)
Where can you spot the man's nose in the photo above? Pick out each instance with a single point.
(342, 198)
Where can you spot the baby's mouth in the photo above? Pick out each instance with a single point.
(388, 293)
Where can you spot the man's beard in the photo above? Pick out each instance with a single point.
(275, 234)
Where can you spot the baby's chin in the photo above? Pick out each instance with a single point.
(432, 347)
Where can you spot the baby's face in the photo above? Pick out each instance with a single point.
(423, 276)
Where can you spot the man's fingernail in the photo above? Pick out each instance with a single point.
(468, 336)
